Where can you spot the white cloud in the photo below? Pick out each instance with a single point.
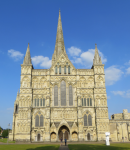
(108, 97)
(16, 55)
(121, 93)
(74, 51)
(85, 58)
(42, 61)
(11, 108)
(112, 75)
(128, 70)
(124, 94)
(128, 63)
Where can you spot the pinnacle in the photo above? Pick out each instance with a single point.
(97, 58)
(27, 58)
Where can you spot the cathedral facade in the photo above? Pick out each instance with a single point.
(61, 102)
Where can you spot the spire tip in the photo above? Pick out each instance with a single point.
(95, 45)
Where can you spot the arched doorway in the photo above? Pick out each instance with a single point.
(53, 136)
(64, 133)
(88, 136)
(38, 137)
(74, 136)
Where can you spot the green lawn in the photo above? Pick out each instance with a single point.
(5, 141)
(29, 147)
(120, 146)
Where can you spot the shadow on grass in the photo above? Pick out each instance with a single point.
(47, 147)
(119, 146)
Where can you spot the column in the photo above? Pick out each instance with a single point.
(63, 136)
(35, 138)
(41, 138)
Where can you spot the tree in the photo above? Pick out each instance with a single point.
(5, 133)
(0, 129)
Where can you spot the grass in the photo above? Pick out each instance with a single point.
(113, 146)
(4, 140)
(29, 147)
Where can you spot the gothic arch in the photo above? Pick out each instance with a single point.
(87, 111)
(100, 78)
(63, 123)
(25, 78)
(43, 79)
(38, 113)
(90, 79)
(63, 79)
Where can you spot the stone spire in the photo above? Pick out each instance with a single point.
(27, 58)
(59, 46)
(97, 58)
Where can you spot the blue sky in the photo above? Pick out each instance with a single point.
(84, 22)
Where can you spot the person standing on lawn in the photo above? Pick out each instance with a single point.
(61, 140)
(65, 141)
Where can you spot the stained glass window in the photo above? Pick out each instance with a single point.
(85, 120)
(70, 95)
(55, 95)
(37, 121)
(55, 69)
(90, 102)
(38, 102)
(68, 69)
(59, 69)
(63, 93)
(64, 69)
(43, 101)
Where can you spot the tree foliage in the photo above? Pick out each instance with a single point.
(5, 133)
(0, 129)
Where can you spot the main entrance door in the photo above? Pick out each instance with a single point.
(63, 133)
(38, 137)
(60, 135)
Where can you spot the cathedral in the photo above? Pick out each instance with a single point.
(64, 102)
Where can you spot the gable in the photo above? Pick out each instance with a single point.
(62, 61)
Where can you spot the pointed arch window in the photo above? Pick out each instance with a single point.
(35, 102)
(64, 69)
(63, 93)
(55, 95)
(16, 109)
(38, 102)
(43, 101)
(89, 120)
(41, 120)
(87, 101)
(59, 69)
(37, 121)
(82, 101)
(85, 120)
(68, 69)
(55, 69)
(70, 95)
(90, 102)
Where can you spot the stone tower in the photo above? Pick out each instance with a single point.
(101, 109)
